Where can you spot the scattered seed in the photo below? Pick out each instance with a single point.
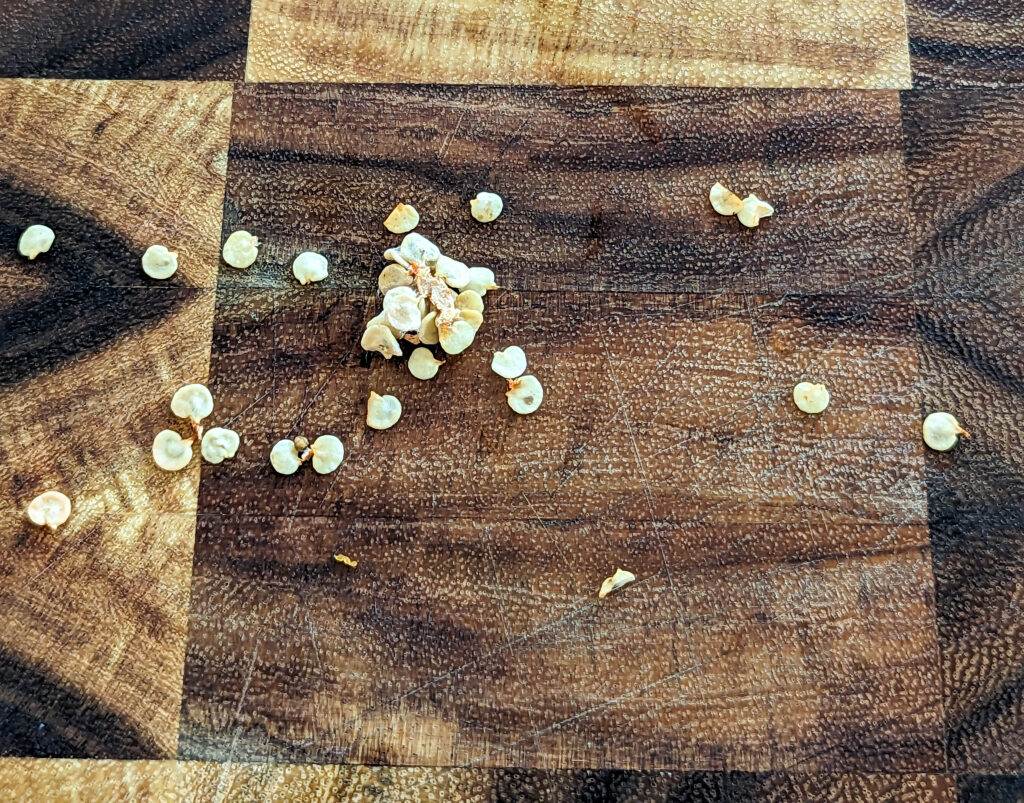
(469, 299)
(486, 206)
(382, 412)
(159, 263)
(171, 452)
(419, 250)
(524, 394)
(454, 273)
(423, 364)
(457, 336)
(403, 218)
(309, 266)
(615, 582)
(218, 444)
(35, 240)
(193, 402)
(510, 363)
(49, 509)
(723, 201)
(402, 309)
(328, 452)
(752, 210)
(811, 398)
(240, 249)
(941, 431)
(284, 457)
(346, 560)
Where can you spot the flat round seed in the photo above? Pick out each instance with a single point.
(811, 398)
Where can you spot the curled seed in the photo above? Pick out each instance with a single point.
(752, 210)
(345, 559)
(723, 201)
(615, 582)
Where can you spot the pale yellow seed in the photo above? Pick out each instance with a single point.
(403, 218)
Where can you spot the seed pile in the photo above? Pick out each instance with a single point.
(421, 305)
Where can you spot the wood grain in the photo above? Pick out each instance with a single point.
(112, 168)
(115, 40)
(966, 176)
(143, 781)
(980, 43)
(572, 43)
(674, 407)
(425, 654)
(605, 189)
(93, 616)
(785, 595)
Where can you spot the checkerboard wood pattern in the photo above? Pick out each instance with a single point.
(823, 611)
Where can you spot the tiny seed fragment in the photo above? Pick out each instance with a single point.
(345, 559)
(615, 582)
(403, 218)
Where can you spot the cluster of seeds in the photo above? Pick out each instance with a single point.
(429, 299)
(749, 211)
(172, 452)
(525, 393)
